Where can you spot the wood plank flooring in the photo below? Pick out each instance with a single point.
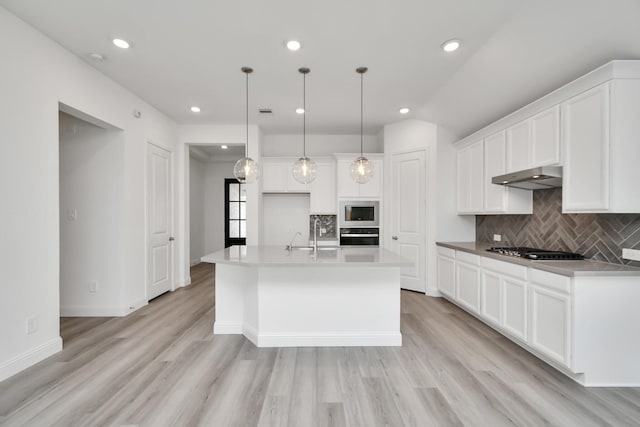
(161, 366)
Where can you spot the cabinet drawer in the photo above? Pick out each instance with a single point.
(451, 253)
(552, 281)
(467, 257)
(515, 270)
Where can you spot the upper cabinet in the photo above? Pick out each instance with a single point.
(348, 188)
(601, 132)
(323, 189)
(590, 127)
(277, 176)
(477, 164)
(535, 141)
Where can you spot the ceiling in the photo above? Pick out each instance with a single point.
(190, 53)
(215, 152)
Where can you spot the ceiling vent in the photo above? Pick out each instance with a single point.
(265, 111)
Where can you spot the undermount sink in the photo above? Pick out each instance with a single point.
(310, 248)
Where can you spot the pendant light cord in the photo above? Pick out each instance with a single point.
(246, 150)
(304, 115)
(361, 114)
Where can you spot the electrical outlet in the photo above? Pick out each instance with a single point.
(32, 325)
(631, 254)
(497, 238)
(72, 214)
(93, 286)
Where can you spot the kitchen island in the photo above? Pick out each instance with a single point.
(347, 296)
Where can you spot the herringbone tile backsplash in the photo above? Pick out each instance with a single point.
(597, 236)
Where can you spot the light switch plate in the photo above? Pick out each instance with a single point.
(632, 254)
(497, 237)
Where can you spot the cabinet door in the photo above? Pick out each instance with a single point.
(347, 187)
(585, 135)
(518, 147)
(463, 180)
(470, 167)
(514, 305)
(273, 179)
(491, 293)
(446, 276)
(373, 188)
(545, 137)
(551, 323)
(468, 286)
(323, 190)
(494, 165)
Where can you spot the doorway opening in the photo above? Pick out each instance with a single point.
(235, 213)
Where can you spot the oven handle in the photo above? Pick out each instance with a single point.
(359, 235)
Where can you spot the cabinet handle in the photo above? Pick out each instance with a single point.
(171, 239)
(394, 237)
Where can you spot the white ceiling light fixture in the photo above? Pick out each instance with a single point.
(122, 44)
(361, 167)
(451, 45)
(96, 56)
(224, 147)
(246, 169)
(293, 45)
(300, 110)
(404, 110)
(195, 109)
(304, 169)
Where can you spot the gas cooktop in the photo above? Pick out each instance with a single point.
(536, 254)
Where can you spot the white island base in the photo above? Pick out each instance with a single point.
(309, 307)
(309, 304)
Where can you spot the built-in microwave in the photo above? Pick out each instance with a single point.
(359, 213)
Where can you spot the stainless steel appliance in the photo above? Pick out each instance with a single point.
(540, 178)
(359, 213)
(369, 236)
(536, 254)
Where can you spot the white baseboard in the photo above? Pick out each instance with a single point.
(184, 282)
(29, 358)
(93, 311)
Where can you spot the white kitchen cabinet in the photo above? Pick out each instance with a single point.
(446, 271)
(545, 137)
(470, 174)
(514, 304)
(491, 297)
(551, 316)
(519, 146)
(348, 189)
(277, 176)
(601, 149)
(323, 189)
(494, 165)
(468, 281)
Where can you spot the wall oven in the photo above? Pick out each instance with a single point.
(369, 236)
(359, 213)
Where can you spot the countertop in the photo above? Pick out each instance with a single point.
(566, 268)
(278, 256)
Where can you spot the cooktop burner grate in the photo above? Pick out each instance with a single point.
(536, 254)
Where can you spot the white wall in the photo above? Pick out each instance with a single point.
(196, 209)
(214, 176)
(284, 215)
(319, 145)
(91, 195)
(36, 75)
(442, 222)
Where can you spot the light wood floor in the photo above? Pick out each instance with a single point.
(162, 366)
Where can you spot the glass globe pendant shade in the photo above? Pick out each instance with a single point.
(361, 170)
(246, 170)
(304, 170)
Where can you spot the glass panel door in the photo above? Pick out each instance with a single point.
(235, 213)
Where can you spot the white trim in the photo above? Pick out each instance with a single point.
(92, 311)
(29, 358)
(355, 339)
(225, 328)
(184, 282)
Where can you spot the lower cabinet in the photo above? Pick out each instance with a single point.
(551, 314)
(446, 271)
(468, 281)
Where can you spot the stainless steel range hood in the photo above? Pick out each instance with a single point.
(540, 178)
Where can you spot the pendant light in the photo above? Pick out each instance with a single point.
(246, 169)
(304, 169)
(361, 168)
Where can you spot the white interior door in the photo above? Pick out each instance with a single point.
(159, 220)
(408, 216)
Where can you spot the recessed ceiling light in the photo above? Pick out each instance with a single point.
(95, 56)
(195, 109)
(293, 45)
(224, 147)
(451, 45)
(300, 110)
(122, 44)
(404, 110)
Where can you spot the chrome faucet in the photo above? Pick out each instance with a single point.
(315, 234)
(290, 247)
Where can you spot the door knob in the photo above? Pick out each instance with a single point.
(394, 237)
(171, 239)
